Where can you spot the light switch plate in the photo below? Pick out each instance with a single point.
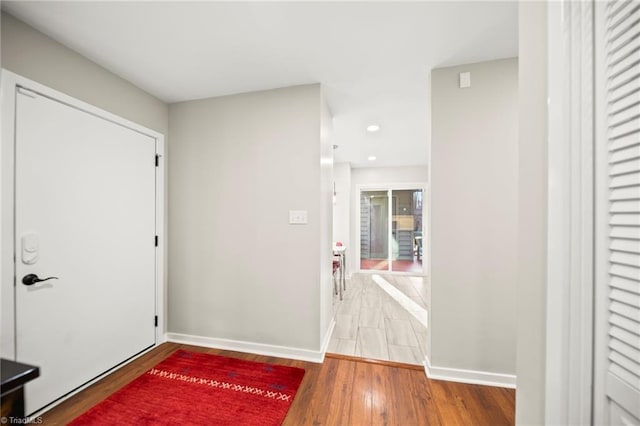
(297, 217)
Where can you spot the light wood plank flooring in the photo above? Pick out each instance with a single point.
(370, 323)
(340, 391)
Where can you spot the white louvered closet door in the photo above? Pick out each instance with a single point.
(619, 289)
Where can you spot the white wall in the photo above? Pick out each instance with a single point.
(474, 213)
(532, 226)
(34, 55)
(371, 176)
(30, 53)
(326, 217)
(342, 206)
(238, 270)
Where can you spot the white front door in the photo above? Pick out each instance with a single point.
(84, 213)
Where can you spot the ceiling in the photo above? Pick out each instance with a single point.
(372, 58)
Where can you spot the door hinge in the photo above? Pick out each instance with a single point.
(157, 160)
(156, 241)
(155, 321)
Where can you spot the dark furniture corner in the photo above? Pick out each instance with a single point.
(14, 377)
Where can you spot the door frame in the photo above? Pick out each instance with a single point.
(356, 232)
(9, 84)
(571, 214)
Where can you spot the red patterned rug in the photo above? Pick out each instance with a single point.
(201, 389)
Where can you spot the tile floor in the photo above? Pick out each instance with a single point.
(371, 323)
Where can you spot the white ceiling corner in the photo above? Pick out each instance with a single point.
(372, 58)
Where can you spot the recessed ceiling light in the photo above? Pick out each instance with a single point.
(371, 158)
(373, 128)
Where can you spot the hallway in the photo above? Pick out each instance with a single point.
(382, 317)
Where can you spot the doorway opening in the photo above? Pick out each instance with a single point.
(384, 312)
(391, 230)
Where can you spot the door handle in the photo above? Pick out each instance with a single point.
(31, 279)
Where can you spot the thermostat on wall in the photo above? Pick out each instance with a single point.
(465, 80)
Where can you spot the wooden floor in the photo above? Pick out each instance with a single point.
(340, 391)
(414, 266)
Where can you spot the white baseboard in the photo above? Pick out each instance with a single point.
(469, 376)
(327, 338)
(255, 348)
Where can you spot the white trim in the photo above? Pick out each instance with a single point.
(161, 228)
(255, 348)
(327, 337)
(9, 82)
(426, 221)
(601, 411)
(472, 377)
(570, 214)
(377, 271)
(7, 275)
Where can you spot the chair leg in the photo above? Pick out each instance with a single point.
(342, 276)
(343, 272)
(336, 281)
(339, 283)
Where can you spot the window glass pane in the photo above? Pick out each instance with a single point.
(374, 230)
(406, 230)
